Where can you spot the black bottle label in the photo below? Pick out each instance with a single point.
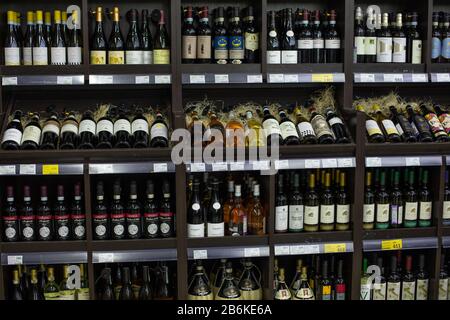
(62, 227)
(133, 225)
(27, 228)
(118, 225)
(44, 227)
(11, 228)
(78, 226)
(151, 224)
(100, 224)
(166, 224)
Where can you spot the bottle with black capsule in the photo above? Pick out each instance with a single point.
(50, 133)
(44, 218)
(13, 133)
(122, 131)
(77, 215)
(140, 130)
(62, 217)
(31, 134)
(436, 127)
(100, 217)
(87, 131)
(69, 132)
(403, 125)
(133, 214)
(118, 222)
(166, 215)
(151, 215)
(220, 39)
(337, 125)
(321, 127)
(420, 125)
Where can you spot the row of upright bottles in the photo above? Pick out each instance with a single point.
(440, 41)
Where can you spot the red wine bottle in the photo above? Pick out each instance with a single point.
(62, 221)
(44, 218)
(10, 218)
(77, 215)
(27, 217)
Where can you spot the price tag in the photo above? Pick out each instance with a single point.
(276, 77)
(251, 252)
(198, 167)
(282, 250)
(395, 244)
(7, 170)
(9, 81)
(393, 77)
(142, 79)
(322, 77)
(329, 163)
(200, 254)
(281, 164)
(101, 168)
(106, 257)
(15, 260)
(412, 162)
(162, 79)
(367, 77)
(442, 77)
(419, 77)
(334, 247)
(291, 78)
(197, 78)
(345, 163)
(305, 249)
(101, 79)
(27, 169)
(373, 162)
(220, 166)
(261, 165)
(237, 166)
(254, 78)
(160, 167)
(50, 169)
(312, 164)
(64, 80)
(221, 78)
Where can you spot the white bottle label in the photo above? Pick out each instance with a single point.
(422, 289)
(305, 129)
(335, 120)
(417, 51)
(408, 290)
(31, 133)
(399, 50)
(446, 210)
(365, 291)
(139, 125)
(382, 214)
(288, 129)
(296, 217)
(289, 57)
(372, 127)
(122, 125)
(105, 125)
(216, 229)
(87, 125)
(411, 211)
(305, 44)
(40, 56)
(370, 46)
(50, 127)
(384, 49)
(271, 126)
(399, 129)
(281, 218)
(311, 215)
(69, 127)
(134, 57)
(27, 56)
(12, 134)
(332, 44)
(196, 230)
(58, 55)
(393, 290)
(326, 213)
(425, 210)
(379, 291)
(147, 57)
(318, 44)
(369, 213)
(158, 130)
(273, 57)
(12, 56)
(389, 126)
(359, 44)
(74, 55)
(343, 213)
(443, 289)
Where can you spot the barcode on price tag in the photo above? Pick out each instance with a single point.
(281, 164)
(200, 254)
(197, 78)
(221, 78)
(106, 257)
(276, 78)
(7, 170)
(219, 166)
(162, 79)
(27, 169)
(160, 167)
(412, 161)
(251, 252)
(64, 80)
(367, 77)
(254, 78)
(329, 163)
(142, 79)
(373, 162)
(15, 260)
(237, 166)
(282, 250)
(198, 167)
(393, 77)
(312, 164)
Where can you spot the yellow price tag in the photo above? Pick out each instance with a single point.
(395, 244)
(50, 169)
(335, 247)
(322, 77)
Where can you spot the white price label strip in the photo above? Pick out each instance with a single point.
(221, 78)
(412, 162)
(200, 254)
(197, 78)
(251, 252)
(367, 77)
(345, 163)
(276, 77)
(101, 79)
(142, 79)
(282, 250)
(162, 79)
(291, 78)
(254, 78)
(15, 260)
(198, 167)
(7, 170)
(106, 257)
(305, 249)
(393, 77)
(373, 162)
(261, 165)
(329, 163)
(220, 166)
(237, 166)
(101, 168)
(9, 81)
(160, 167)
(27, 169)
(442, 77)
(312, 164)
(64, 80)
(281, 164)
(419, 77)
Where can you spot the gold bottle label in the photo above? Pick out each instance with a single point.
(98, 57)
(116, 57)
(161, 56)
(251, 294)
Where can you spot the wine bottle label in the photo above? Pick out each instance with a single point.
(320, 126)
(216, 229)
(27, 227)
(369, 213)
(311, 215)
(44, 226)
(166, 220)
(372, 128)
(281, 218)
(31, 133)
(133, 221)
(411, 211)
(116, 57)
(139, 125)
(105, 125)
(12, 56)
(370, 46)
(305, 128)
(408, 290)
(325, 293)
(343, 213)
(78, 225)
(389, 127)
(87, 125)
(12, 134)
(288, 129)
(296, 213)
(189, 47)
(98, 57)
(422, 289)
(360, 45)
(271, 126)
(74, 55)
(134, 57)
(273, 56)
(27, 56)
(379, 291)
(236, 47)
(384, 49)
(58, 55)
(159, 130)
(304, 294)
(416, 51)
(335, 120)
(445, 120)
(382, 213)
(40, 56)
(332, 43)
(83, 294)
(289, 57)
(122, 125)
(161, 56)
(62, 226)
(196, 230)
(446, 48)
(326, 213)
(425, 209)
(436, 47)
(396, 214)
(435, 124)
(305, 44)
(318, 43)
(147, 57)
(100, 222)
(393, 290)
(399, 129)
(283, 294)
(415, 130)
(151, 221)
(251, 294)
(446, 210)
(10, 225)
(66, 295)
(50, 127)
(251, 41)
(69, 127)
(220, 44)
(399, 50)
(204, 47)
(339, 292)
(443, 289)
(365, 291)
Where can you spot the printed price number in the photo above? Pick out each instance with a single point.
(50, 169)
(276, 77)
(395, 244)
(8, 170)
(393, 77)
(322, 77)
(335, 247)
(367, 77)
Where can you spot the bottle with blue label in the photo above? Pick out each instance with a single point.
(436, 45)
(236, 44)
(445, 52)
(220, 37)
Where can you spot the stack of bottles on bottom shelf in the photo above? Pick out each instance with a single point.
(41, 283)
(317, 279)
(225, 282)
(136, 282)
